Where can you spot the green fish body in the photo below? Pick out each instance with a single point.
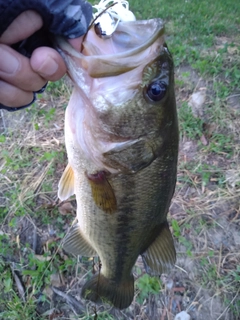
(121, 135)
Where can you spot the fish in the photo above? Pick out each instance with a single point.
(121, 136)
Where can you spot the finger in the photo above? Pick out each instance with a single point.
(15, 69)
(48, 63)
(22, 27)
(14, 97)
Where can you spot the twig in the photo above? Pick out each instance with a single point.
(181, 269)
(34, 246)
(188, 308)
(219, 260)
(233, 95)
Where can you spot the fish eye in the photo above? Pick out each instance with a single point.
(156, 90)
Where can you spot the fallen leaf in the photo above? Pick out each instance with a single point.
(18, 283)
(183, 315)
(42, 258)
(196, 102)
(55, 280)
(204, 140)
(4, 233)
(52, 313)
(209, 129)
(18, 241)
(167, 281)
(65, 208)
(57, 141)
(55, 315)
(232, 177)
(233, 50)
(49, 293)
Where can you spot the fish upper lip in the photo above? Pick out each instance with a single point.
(63, 46)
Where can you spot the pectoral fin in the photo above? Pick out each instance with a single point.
(102, 192)
(75, 243)
(66, 184)
(160, 256)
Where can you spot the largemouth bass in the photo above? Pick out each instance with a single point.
(121, 135)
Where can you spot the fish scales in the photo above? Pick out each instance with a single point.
(121, 136)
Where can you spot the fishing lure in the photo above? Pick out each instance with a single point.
(108, 15)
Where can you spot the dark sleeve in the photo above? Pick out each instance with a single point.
(68, 18)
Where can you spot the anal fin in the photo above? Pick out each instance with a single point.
(75, 243)
(160, 256)
(66, 184)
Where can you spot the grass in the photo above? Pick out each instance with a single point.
(204, 215)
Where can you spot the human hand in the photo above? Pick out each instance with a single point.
(20, 76)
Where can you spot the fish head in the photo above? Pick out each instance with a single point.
(124, 87)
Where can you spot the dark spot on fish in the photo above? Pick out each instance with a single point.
(100, 176)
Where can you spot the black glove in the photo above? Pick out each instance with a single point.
(68, 18)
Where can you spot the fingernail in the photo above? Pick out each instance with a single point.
(48, 67)
(8, 63)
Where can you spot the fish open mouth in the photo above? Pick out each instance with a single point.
(120, 53)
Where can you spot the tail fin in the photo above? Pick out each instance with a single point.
(101, 289)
